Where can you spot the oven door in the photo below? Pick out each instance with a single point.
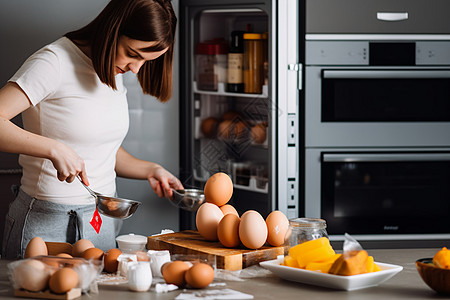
(386, 193)
(357, 106)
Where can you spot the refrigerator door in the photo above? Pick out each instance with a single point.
(249, 134)
(289, 82)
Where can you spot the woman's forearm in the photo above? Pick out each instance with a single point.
(14, 139)
(131, 167)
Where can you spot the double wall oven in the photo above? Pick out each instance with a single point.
(377, 122)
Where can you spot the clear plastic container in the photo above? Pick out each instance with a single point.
(305, 229)
(253, 63)
(211, 64)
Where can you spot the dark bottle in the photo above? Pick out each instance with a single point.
(235, 76)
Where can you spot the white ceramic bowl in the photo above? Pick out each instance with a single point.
(131, 242)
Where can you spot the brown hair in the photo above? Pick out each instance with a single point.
(144, 20)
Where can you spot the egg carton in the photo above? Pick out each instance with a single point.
(30, 276)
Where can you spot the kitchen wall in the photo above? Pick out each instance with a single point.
(26, 26)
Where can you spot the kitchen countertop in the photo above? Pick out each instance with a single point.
(405, 285)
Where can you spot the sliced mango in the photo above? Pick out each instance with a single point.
(376, 268)
(317, 255)
(290, 261)
(308, 246)
(323, 266)
(370, 264)
(350, 263)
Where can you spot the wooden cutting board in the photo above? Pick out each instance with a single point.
(190, 242)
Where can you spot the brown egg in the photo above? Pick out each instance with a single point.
(164, 266)
(200, 275)
(231, 115)
(32, 275)
(174, 272)
(258, 133)
(51, 261)
(207, 219)
(228, 209)
(209, 127)
(277, 227)
(64, 255)
(228, 231)
(240, 129)
(92, 253)
(80, 246)
(63, 280)
(110, 260)
(218, 189)
(226, 129)
(36, 247)
(252, 230)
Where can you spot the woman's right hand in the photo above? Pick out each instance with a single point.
(68, 164)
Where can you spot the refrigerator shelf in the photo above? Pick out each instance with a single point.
(253, 186)
(222, 92)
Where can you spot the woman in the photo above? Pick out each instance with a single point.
(75, 117)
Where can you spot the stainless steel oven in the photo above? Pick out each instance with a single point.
(356, 96)
(377, 120)
(380, 193)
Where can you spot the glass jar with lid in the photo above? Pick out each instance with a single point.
(253, 63)
(305, 229)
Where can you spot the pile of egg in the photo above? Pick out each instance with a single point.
(181, 273)
(218, 221)
(60, 273)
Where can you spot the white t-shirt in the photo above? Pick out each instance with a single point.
(71, 105)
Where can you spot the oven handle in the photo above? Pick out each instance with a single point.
(382, 74)
(384, 157)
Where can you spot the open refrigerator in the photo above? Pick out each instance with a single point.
(251, 134)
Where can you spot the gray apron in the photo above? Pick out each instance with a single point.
(29, 217)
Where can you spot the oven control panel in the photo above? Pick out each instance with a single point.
(387, 53)
(433, 53)
(337, 53)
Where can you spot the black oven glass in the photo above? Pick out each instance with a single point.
(385, 99)
(386, 197)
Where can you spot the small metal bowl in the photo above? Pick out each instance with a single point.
(116, 207)
(189, 199)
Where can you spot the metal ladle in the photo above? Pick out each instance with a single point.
(112, 206)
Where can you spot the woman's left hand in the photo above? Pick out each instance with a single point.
(162, 182)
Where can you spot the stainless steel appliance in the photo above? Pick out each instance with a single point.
(377, 119)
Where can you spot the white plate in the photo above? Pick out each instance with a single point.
(349, 283)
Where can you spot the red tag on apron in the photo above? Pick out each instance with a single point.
(96, 221)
